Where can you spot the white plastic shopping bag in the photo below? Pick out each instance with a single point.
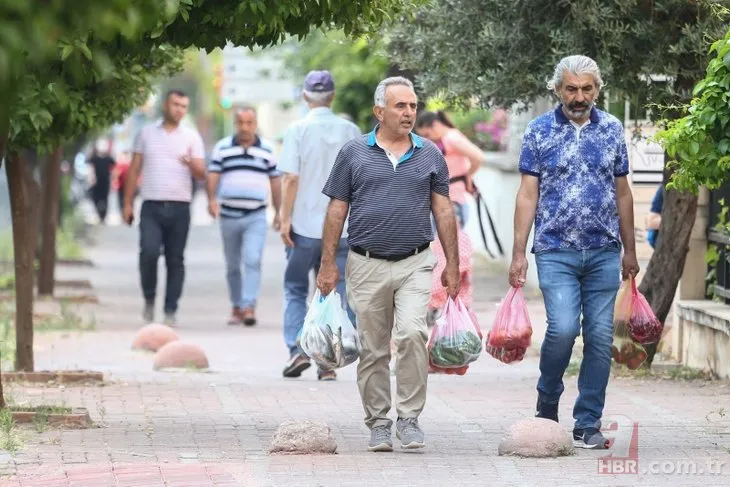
(328, 337)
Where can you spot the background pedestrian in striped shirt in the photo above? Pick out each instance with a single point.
(168, 155)
(242, 175)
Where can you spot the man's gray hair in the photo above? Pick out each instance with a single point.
(577, 65)
(319, 97)
(244, 108)
(383, 85)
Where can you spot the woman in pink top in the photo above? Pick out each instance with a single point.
(463, 158)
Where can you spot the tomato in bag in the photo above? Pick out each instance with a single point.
(512, 328)
(643, 325)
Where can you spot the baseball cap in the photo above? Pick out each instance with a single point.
(319, 82)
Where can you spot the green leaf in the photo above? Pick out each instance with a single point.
(84, 50)
(66, 52)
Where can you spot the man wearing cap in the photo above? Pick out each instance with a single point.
(309, 150)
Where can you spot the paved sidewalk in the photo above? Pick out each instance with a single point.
(188, 428)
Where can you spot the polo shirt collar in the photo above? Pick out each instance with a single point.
(234, 141)
(318, 111)
(560, 116)
(416, 140)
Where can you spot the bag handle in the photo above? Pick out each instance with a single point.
(634, 290)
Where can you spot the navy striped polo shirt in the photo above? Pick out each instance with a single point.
(390, 209)
(245, 175)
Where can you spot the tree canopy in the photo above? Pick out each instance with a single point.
(700, 141)
(503, 51)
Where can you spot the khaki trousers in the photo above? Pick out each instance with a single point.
(390, 300)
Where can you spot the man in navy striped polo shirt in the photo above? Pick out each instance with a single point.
(241, 175)
(390, 181)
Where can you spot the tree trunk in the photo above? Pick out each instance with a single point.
(23, 247)
(33, 207)
(51, 194)
(666, 266)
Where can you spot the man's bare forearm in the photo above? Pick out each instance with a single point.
(197, 168)
(525, 208)
(130, 185)
(289, 188)
(446, 228)
(332, 232)
(626, 221)
(276, 193)
(211, 185)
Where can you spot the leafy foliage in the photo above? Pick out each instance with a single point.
(503, 51)
(56, 105)
(356, 65)
(212, 23)
(700, 141)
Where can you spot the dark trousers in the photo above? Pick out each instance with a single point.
(100, 194)
(163, 225)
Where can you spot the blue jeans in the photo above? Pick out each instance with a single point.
(574, 283)
(304, 257)
(243, 245)
(163, 225)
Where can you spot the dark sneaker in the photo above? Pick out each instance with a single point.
(590, 438)
(248, 316)
(326, 375)
(380, 439)
(547, 411)
(296, 365)
(409, 434)
(148, 313)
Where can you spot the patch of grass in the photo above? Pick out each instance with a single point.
(573, 368)
(9, 439)
(7, 281)
(7, 340)
(68, 235)
(40, 421)
(45, 409)
(688, 373)
(67, 319)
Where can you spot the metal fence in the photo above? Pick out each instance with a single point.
(721, 241)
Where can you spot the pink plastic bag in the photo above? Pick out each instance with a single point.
(643, 325)
(512, 327)
(455, 340)
(438, 291)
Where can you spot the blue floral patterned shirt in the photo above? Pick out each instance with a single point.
(577, 169)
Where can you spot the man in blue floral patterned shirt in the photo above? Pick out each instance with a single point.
(574, 164)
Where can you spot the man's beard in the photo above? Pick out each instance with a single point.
(578, 110)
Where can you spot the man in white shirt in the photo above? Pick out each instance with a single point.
(168, 156)
(309, 151)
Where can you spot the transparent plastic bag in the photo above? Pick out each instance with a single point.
(644, 327)
(455, 341)
(624, 349)
(505, 355)
(512, 328)
(328, 337)
(624, 304)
